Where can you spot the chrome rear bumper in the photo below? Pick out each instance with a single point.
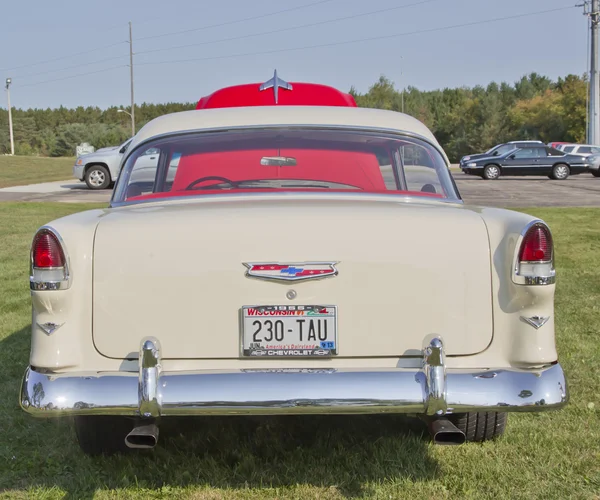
(434, 390)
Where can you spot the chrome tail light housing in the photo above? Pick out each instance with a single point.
(534, 258)
(49, 263)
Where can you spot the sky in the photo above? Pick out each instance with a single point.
(412, 42)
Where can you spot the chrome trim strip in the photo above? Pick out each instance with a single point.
(435, 376)
(50, 285)
(149, 377)
(532, 280)
(230, 392)
(287, 194)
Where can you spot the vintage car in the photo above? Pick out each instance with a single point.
(290, 254)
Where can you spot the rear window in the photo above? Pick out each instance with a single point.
(275, 160)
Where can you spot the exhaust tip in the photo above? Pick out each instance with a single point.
(142, 436)
(444, 432)
(449, 438)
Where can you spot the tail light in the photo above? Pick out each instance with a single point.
(535, 258)
(49, 267)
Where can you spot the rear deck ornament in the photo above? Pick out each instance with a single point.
(275, 83)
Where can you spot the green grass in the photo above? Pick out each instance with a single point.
(23, 170)
(545, 455)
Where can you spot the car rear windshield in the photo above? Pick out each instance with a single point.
(283, 159)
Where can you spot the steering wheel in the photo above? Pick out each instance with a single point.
(211, 178)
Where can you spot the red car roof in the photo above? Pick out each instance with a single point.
(276, 92)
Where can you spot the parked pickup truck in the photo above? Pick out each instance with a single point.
(101, 169)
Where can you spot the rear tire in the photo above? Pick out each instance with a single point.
(560, 172)
(596, 173)
(480, 426)
(97, 177)
(102, 435)
(491, 172)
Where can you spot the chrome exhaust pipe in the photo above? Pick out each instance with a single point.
(443, 431)
(142, 436)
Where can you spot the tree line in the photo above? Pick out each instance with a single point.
(464, 120)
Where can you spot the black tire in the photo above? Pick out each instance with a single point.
(595, 173)
(102, 435)
(97, 177)
(560, 172)
(480, 426)
(491, 172)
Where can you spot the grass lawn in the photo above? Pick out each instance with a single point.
(545, 455)
(23, 170)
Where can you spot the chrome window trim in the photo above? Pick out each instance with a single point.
(50, 285)
(346, 128)
(286, 194)
(532, 280)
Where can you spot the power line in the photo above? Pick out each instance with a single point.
(307, 47)
(227, 23)
(63, 57)
(71, 67)
(383, 37)
(73, 76)
(291, 28)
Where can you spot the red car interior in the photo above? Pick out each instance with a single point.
(355, 169)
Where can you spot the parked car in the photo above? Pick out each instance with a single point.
(498, 150)
(556, 145)
(579, 149)
(594, 161)
(539, 160)
(101, 169)
(301, 260)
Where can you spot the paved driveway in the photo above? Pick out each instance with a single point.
(70, 191)
(579, 190)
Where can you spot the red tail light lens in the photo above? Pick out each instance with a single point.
(47, 251)
(536, 245)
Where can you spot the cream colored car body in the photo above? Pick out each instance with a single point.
(423, 267)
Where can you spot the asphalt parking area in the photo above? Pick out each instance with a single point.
(506, 192)
(576, 191)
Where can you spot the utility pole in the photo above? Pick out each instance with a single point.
(594, 97)
(131, 78)
(10, 125)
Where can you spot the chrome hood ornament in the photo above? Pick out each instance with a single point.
(275, 83)
(49, 328)
(536, 321)
(290, 272)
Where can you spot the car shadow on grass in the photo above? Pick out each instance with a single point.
(350, 453)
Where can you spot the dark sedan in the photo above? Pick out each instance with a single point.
(538, 160)
(500, 149)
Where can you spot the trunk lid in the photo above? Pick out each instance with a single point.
(406, 270)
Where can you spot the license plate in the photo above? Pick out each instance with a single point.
(289, 331)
